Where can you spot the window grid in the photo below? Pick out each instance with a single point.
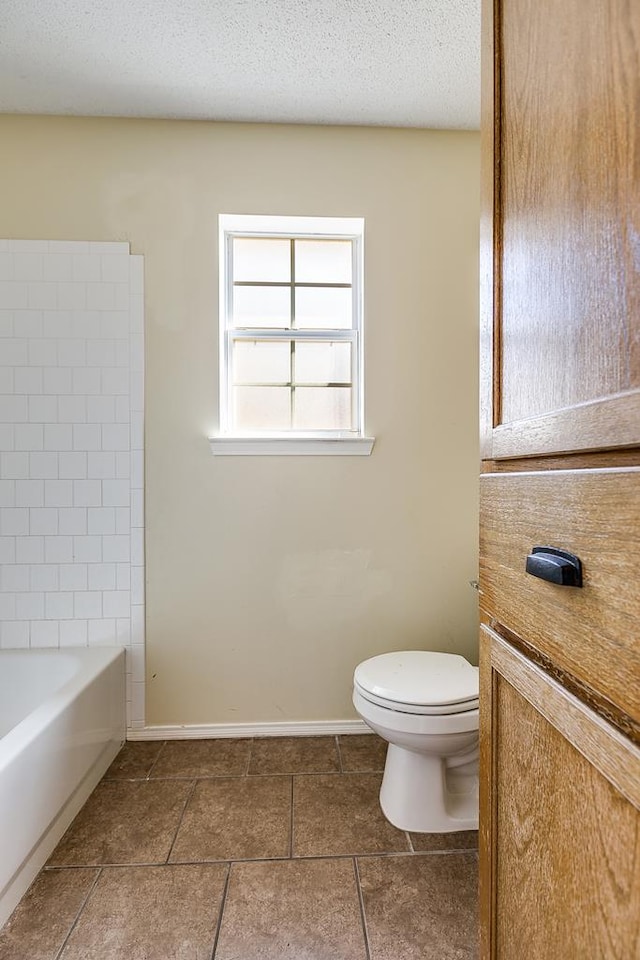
(293, 334)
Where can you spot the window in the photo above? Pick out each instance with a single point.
(290, 330)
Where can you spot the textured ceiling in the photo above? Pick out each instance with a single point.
(390, 62)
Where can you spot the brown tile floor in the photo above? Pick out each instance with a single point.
(271, 849)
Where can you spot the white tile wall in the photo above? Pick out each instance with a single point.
(71, 450)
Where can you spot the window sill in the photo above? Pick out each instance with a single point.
(291, 446)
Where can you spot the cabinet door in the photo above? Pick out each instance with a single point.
(560, 820)
(561, 226)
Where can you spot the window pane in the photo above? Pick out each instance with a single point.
(323, 261)
(262, 408)
(322, 408)
(324, 308)
(323, 362)
(260, 361)
(261, 259)
(261, 306)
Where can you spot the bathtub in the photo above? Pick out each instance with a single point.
(62, 721)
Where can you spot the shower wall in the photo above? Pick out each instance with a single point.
(71, 450)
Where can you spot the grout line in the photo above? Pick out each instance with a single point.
(249, 756)
(363, 917)
(341, 770)
(222, 906)
(124, 863)
(318, 856)
(175, 836)
(244, 776)
(389, 854)
(291, 824)
(79, 913)
(383, 855)
(409, 841)
(148, 776)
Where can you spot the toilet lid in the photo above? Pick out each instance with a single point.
(419, 678)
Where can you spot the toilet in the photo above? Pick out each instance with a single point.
(426, 706)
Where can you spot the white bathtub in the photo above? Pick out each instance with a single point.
(62, 721)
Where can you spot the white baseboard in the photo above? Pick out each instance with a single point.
(206, 731)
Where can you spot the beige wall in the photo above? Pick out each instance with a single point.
(268, 579)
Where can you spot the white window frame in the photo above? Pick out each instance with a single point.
(230, 441)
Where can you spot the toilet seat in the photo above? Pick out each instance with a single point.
(419, 682)
(414, 723)
(415, 708)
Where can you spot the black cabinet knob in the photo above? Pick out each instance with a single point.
(556, 566)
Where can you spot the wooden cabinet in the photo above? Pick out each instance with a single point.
(560, 226)
(560, 374)
(562, 818)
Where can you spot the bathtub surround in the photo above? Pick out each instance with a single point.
(71, 450)
(270, 578)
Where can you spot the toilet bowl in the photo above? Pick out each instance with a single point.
(425, 705)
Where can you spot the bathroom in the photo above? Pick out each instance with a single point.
(261, 581)
(248, 303)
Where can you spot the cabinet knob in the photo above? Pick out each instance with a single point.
(556, 566)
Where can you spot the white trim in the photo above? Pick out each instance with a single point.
(357, 351)
(272, 333)
(291, 446)
(314, 226)
(211, 731)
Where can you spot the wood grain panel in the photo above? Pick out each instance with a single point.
(562, 873)
(597, 460)
(605, 748)
(560, 260)
(487, 836)
(489, 227)
(570, 203)
(574, 833)
(592, 633)
(601, 425)
(594, 699)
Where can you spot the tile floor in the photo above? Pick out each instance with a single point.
(271, 849)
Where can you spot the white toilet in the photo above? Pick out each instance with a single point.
(426, 706)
